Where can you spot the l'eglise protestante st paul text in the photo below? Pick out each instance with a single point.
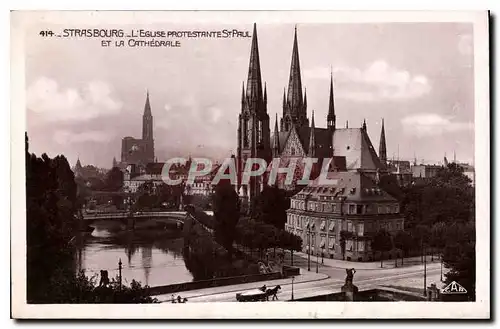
(140, 33)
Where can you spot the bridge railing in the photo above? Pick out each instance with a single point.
(126, 214)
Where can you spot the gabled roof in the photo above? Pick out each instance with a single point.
(353, 185)
(322, 137)
(355, 145)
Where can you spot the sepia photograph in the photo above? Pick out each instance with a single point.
(250, 164)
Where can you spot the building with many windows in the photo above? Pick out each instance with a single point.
(352, 202)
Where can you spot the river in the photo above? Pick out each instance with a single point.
(153, 262)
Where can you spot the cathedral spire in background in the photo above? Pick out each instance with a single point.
(147, 106)
(382, 150)
(147, 121)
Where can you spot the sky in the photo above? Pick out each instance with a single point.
(82, 98)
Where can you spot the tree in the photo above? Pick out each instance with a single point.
(226, 207)
(382, 243)
(448, 197)
(421, 233)
(80, 289)
(437, 237)
(459, 256)
(403, 241)
(114, 180)
(51, 203)
(271, 206)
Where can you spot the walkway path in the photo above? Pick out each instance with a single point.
(337, 263)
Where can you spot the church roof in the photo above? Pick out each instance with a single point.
(322, 138)
(355, 145)
(353, 185)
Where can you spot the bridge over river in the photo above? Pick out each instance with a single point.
(130, 220)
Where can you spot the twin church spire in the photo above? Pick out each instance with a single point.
(294, 102)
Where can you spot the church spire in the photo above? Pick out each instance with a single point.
(312, 139)
(147, 106)
(115, 164)
(364, 125)
(295, 82)
(305, 98)
(382, 150)
(147, 121)
(254, 82)
(331, 118)
(276, 140)
(265, 93)
(243, 92)
(78, 163)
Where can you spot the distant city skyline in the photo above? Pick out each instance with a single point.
(82, 99)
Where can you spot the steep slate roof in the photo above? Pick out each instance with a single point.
(353, 185)
(355, 145)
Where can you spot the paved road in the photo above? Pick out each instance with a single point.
(329, 280)
(320, 287)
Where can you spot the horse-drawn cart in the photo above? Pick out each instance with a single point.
(256, 295)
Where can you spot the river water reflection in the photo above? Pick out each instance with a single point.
(152, 263)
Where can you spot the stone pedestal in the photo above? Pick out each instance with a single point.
(349, 291)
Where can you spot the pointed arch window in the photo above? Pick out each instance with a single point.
(246, 132)
(259, 131)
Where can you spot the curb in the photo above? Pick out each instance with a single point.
(371, 269)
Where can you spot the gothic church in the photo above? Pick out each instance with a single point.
(294, 135)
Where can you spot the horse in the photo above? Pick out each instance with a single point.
(273, 292)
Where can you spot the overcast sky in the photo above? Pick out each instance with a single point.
(82, 99)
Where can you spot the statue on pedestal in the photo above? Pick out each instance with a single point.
(349, 288)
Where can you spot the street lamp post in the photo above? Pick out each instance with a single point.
(309, 247)
(120, 273)
(317, 261)
(322, 256)
(425, 272)
(293, 278)
(441, 267)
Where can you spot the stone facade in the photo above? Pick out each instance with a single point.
(353, 203)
